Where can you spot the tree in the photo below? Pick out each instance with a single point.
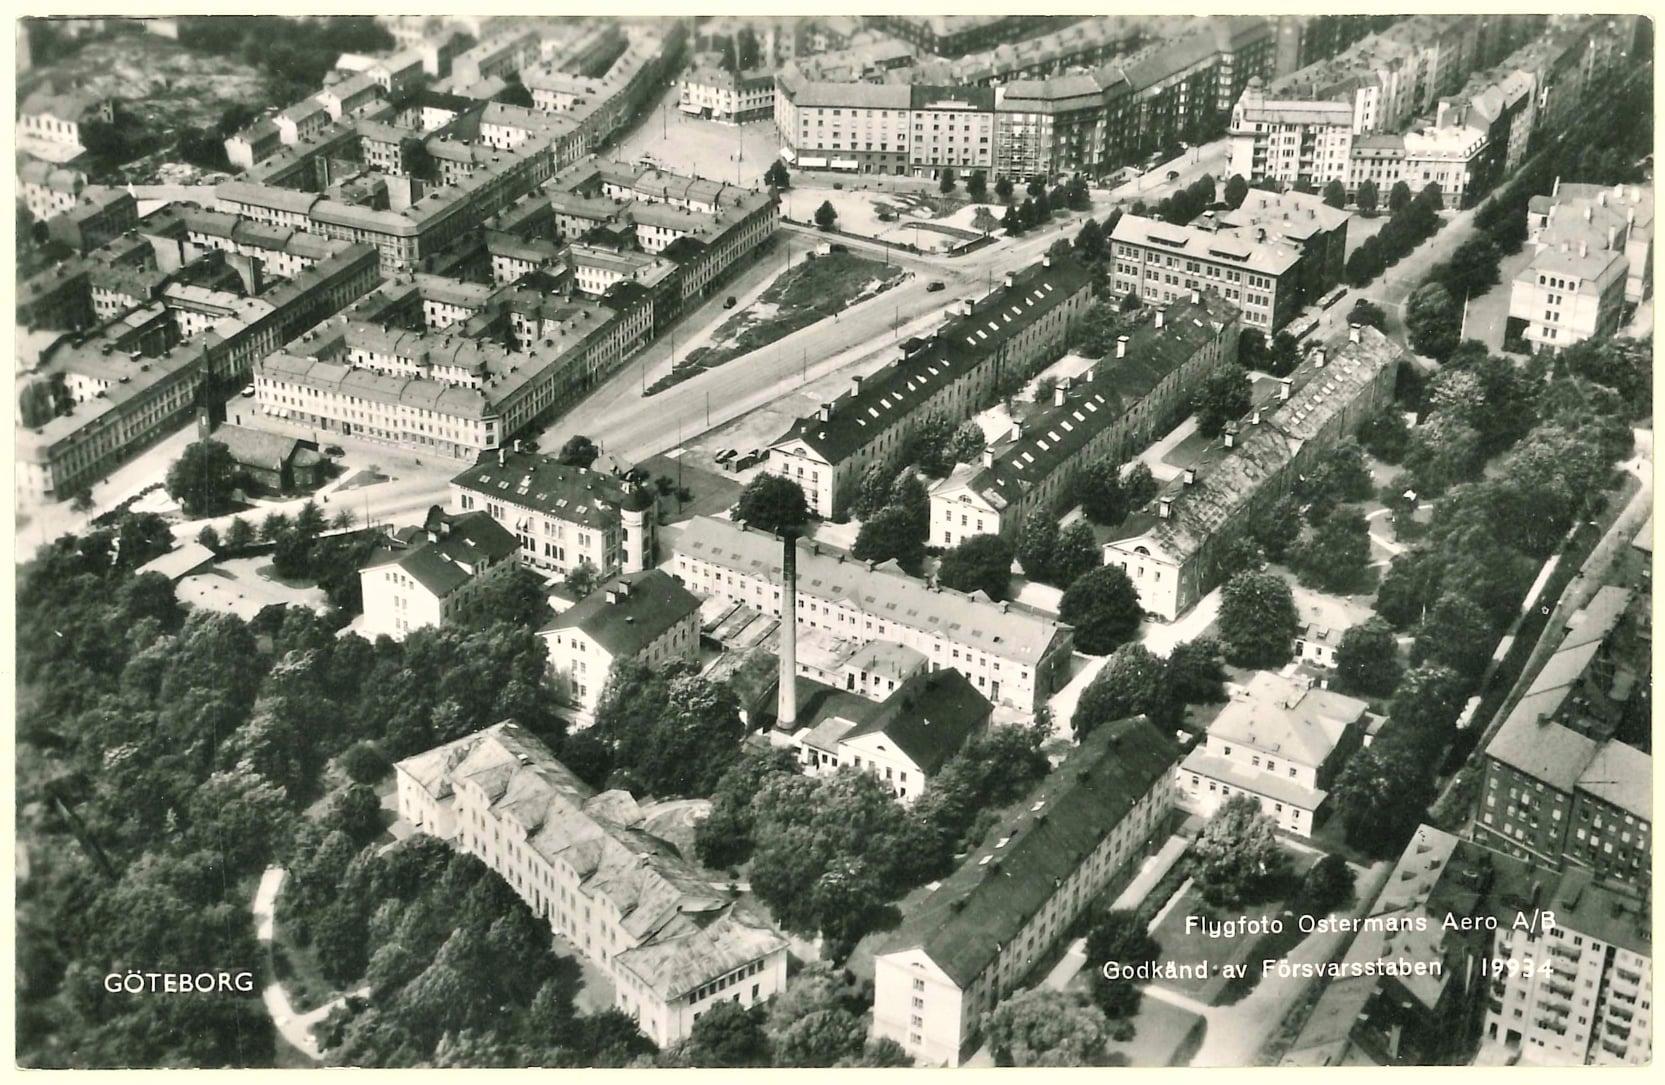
(1367, 198)
(1103, 606)
(928, 446)
(1223, 396)
(1327, 886)
(579, 451)
(967, 443)
(239, 534)
(203, 478)
(1383, 794)
(874, 493)
(364, 763)
(1365, 263)
(1386, 436)
(583, 578)
(1090, 241)
(1097, 488)
(1283, 356)
(1432, 321)
(1367, 659)
(945, 183)
(1257, 620)
(882, 1053)
(1426, 705)
(41, 401)
(1011, 221)
(1003, 189)
(1457, 634)
(509, 592)
(672, 731)
(1129, 684)
(890, 534)
(1335, 194)
(773, 503)
(980, 563)
(1443, 452)
(977, 186)
(1337, 555)
(724, 838)
(1044, 1027)
(777, 176)
(826, 215)
(1139, 485)
(1097, 330)
(356, 811)
(1399, 198)
(210, 538)
(1037, 548)
(1120, 938)
(811, 1023)
(1365, 311)
(1078, 554)
(728, 1034)
(1236, 858)
(1193, 674)
(1237, 190)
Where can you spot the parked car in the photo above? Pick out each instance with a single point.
(836, 247)
(1173, 175)
(249, 391)
(730, 303)
(752, 456)
(724, 455)
(334, 450)
(934, 285)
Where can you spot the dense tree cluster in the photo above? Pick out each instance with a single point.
(773, 503)
(898, 531)
(1134, 682)
(1046, 1027)
(1187, 203)
(295, 54)
(1257, 620)
(1103, 606)
(1414, 220)
(663, 731)
(980, 563)
(1236, 859)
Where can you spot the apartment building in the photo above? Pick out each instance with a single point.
(1290, 142)
(501, 55)
(1572, 290)
(1255, 271)
(1279, 741)
(1576, 991)
(1560, 789)
(1011, 656)
(99, 216)
(563, 516)
(1123, 403)
(1008, 335)
(1170, 550)
(721, 95)
(671, 946)
(50, 125)
(953, 128)
(644, 617)
(956, 35)
(429, 571)
(977, 936)
(1575, 212)
(47, 190)
(856, 127)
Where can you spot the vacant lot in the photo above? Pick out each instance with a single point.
(811, 291)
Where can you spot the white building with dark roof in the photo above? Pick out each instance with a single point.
(670, 944)
(979, 934)
(418, 584)
(644, 617)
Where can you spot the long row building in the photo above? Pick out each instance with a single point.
(1017, 329)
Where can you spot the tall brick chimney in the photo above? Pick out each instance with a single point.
(787, 712)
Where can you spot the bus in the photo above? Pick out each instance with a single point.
(1329, 300)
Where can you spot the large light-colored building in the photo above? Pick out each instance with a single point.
(1008, 335)
(1291, 142)
(1121, 404)
(1013, 657)
(721, 95)
(563, 516)
(671, 945)
(1279, 741)
(979, 934)
(419, 583)
(50, 125)
(644, 617)
(1624, 213)
(1571, 290)
(1170, 550)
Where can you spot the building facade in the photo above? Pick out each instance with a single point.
(644, 617)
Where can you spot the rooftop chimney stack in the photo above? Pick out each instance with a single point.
(1164, 508)
(1196, 297)
(1352, 333)
(1011, 280)
(1060, 392)
(1046, 261)
(1284, 387)
(787, 711)
(500, 457)
(825, 414)
(1190, 476)
(988, 456)
(1583, 248)
(855, 385)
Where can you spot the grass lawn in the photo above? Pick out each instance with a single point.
(801, 296)
(1163, 1035)
(1184, 946)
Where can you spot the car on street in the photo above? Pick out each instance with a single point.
(934, 285)
(1173, 175)
(334, 450)
(724, 455)
(730, 302)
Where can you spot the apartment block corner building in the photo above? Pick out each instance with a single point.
(1170, 549)
(978, 934)
(671, 946)
(1012, 332)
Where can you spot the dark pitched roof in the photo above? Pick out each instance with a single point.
(897, 389)
(1012, 873)
(256, 448)
(627, 614)
(456, 548)
(929, 717)
(530, 480)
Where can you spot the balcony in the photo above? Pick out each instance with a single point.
(1616, 1050)
(1559, 1009)
(1621, 1013)
(1565, 952)
(1628, 976)
(1560, 990)
(1620, 996)
(1551, 1025)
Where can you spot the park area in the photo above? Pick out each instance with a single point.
(817, 288)
(928, 221)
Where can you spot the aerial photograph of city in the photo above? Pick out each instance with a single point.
(789, 541)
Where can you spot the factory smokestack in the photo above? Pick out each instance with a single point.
(787, 713)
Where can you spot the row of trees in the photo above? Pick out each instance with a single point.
(1413, 221)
